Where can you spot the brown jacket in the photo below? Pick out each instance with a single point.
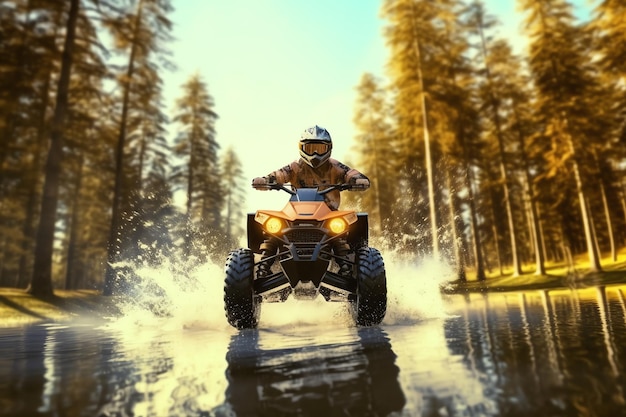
(300, 174)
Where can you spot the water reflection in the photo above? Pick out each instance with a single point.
(544, 354)
(346, 376)
(35, 379)
(556, 353)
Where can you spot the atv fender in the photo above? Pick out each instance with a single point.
(255, 234)
(358, 235)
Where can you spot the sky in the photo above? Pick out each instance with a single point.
(275, 67)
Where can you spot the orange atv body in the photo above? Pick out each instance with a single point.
(306, 264)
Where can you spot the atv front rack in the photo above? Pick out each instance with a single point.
(294, 266)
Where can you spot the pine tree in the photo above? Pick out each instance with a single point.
(157, 238)
(609, 41)
(141, 33)
(522, 127)
(376, 153)
(408, 19)
(432, 97)
(480, 23)
(30, 56)
(41, 283)
(561, 73)
(196, 145)
(610, 27)
(233, 195)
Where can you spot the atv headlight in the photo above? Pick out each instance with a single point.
(337, 225)
(273, 225)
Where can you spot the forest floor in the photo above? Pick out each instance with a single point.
(17, 308)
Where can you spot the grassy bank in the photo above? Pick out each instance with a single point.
(17, 308)
(558, 275)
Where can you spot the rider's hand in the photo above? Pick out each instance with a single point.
(360, 184)
(260, 183)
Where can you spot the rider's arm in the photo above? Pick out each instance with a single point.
(285, 174)
(355, 177)
(280, 176)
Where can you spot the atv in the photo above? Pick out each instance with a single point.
(306, 265)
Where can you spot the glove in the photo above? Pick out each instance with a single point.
(360, 184)
(260, 183)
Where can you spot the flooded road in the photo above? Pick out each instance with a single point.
(558, 353)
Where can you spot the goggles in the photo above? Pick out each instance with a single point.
(311, 148)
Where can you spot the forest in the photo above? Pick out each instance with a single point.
(492, 160)
(509, 163)
(88, 172)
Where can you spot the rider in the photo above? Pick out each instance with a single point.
(315, 168)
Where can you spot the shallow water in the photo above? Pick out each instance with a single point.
(533, 354)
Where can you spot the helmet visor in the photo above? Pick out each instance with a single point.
(311, 148)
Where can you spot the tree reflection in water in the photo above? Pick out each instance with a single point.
(546, 354)
(542, 353)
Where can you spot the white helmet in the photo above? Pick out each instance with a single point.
(315, 146)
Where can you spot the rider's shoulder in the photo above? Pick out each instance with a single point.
(338, 164)
(292, 165)
(335, 163)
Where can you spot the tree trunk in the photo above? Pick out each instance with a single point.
(607, 211)
(190, 191)
(594, 259)
(229, 214)
(72, 259)
(113, 246)
(3, 251)
(378, 228)
(517, 267)
(28, 230)
(496, 242)
(427, 150)
(594, 233)
(609, 222)
(537, 232)
(530, 229)
(478, 257)
(495, 108)
(41, 283)
(624, 205)
(456, 244)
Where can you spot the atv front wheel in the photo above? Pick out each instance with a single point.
(241, 305)
(370, 305)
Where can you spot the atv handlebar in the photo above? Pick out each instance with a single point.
(331, 187)
(340, 187)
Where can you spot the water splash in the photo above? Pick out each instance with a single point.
(413, 289)
(175, 295)
(174, 317)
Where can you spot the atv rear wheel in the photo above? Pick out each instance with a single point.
(370, 305)
(241, 305)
